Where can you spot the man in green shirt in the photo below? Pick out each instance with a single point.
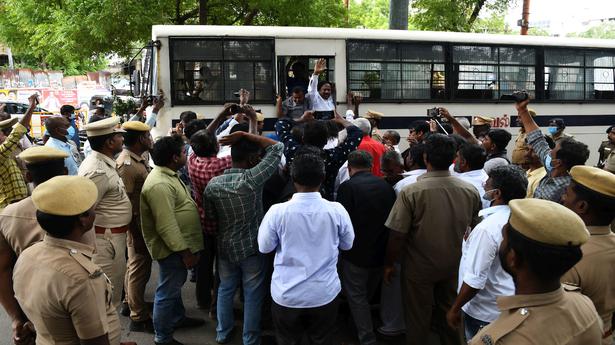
(172, 232)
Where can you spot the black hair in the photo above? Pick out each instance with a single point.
(315, 133)
(608, 130)
(297, 89)
(167, 147)
(332, 128)
(511, 180)
(393, 156)
(243, 149)
(600, 205)
(459, 140)
(7, 130)
(416, 154)
(57, 226)
(547, 262)
(474, 154)
(187, 116)
(204, 144)
(308, 170)
(419, 126)
(193, 127)
(572, 152)
(43, 171)
(440, 151)
(132, 137)
(98, 142)
(394, 134)
(66, 109)
(95, 118)
(499, 137)
(445, 127)
(559, 122)
(323, 83)
(360, 159)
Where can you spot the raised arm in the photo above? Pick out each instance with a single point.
(457, 127)
(222, 116)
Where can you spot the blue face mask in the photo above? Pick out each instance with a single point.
(548, 166)
(552, 130)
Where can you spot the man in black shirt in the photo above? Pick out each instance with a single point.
(368, 200)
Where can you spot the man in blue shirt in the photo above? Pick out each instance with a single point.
(306, 233)
(57, 127)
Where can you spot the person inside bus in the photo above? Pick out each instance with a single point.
(320, 93)
(556, 130)
(557, 162)
(297, 77)
(294, 106)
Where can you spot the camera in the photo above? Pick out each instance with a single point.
(151, 100)
(517, 96)
(433, 113)
(235, 109)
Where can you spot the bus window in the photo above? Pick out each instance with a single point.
(564, 77)
(599, 76)
(295, 71)
(210, 71)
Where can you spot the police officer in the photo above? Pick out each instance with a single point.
(62, 292)
(133, 169)
(606, 147)
(19, 228)
(480, 126)
(542, 241)
(591, 195)
(113, 208)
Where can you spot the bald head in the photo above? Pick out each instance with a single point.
(57, 127)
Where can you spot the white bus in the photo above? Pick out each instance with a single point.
(398, 73)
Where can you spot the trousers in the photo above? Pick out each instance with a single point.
(318, 324)
(111, 257)
(138, 272)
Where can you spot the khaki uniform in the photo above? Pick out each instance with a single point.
(434, 212)
(133, 170)
(113, 211)
(533, 180)
(595, 274)
(605, 149)
(65, 295)
(19, 228)
(560, 137)
(520, 150)
(558, 317)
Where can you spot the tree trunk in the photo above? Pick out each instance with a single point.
(479, 6)
(250, 17)
(203, 12)
(398, 15)
(177, 9)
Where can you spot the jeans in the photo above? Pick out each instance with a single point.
(168, 305)
(472, 326)
(250, 271)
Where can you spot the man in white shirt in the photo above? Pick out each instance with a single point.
(306, 233)
(481, 277)
(319, 93)
(57, 127)
(416, 165)
(469, 167)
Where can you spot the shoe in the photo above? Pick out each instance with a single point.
(189, 322)
(125, 309)
(172, 342)
(146, 326)
(387, 335)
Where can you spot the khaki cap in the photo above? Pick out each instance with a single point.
(8, 123)
(547, 222)
(37, 154)
(103, 127)
(260, 117)
(80, 190)
(370, 114)
(598, 180)
(481, 120)
(135, 126)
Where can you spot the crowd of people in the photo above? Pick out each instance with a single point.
(451, 237)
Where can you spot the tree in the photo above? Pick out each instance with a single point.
(605, 30)
(370, 14)
(452, 15)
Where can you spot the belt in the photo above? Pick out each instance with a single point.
(120, 230)
(608, 333)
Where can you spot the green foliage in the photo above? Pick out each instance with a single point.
(452, 15)
(369, 14)
(604, 30)
(495, 24)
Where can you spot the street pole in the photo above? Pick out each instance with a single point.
(398, 15)
(525, 17)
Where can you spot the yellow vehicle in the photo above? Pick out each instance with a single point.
(37, 125)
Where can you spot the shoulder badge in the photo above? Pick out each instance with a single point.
(486, 339)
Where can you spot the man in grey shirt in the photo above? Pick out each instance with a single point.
(294, 106)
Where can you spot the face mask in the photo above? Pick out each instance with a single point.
(552, 130)
(487, 196)
(548, 166)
